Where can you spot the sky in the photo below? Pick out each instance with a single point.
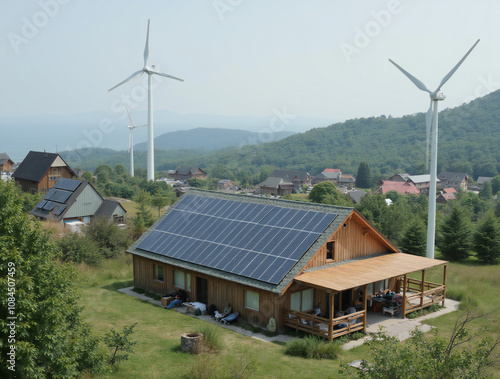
(322, 61)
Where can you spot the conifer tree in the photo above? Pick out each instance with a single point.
(454, 240)
(363, 177)
(414, 239)
(487, 240)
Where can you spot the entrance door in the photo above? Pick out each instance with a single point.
(202, 290)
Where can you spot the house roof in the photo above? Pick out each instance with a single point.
(4, 158)
(400, 187)
(274, 182)
(480, 180)
(59, 199)
(186, 170)
(328, 175)
(107, 209)
(402, 175)
(280, 236)
(331, 170)
(453, 176)
(418, 179)
(445, 197)
(290, 174)
(347, 178)
(356, 195)
(355, 273)
(36, 164)
(449, 190)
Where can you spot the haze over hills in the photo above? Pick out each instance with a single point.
(469, 140)
(212, 139)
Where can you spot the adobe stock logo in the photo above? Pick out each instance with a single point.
(363, 36)
(31, 26)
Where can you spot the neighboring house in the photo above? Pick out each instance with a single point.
(275, 187)
(398, 186)
(76, 200)
(280, 259)
(39, 171)
(224, 184)
(422, 182)
(297, 177)
(327, 177)
(332, 170)
(6, 164)
(400, 177)
(356, 195)
(445, 197)
(481, 180)
(185, 173)
(347, 180)
(454, 179)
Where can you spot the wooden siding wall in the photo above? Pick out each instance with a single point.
(220, 291)
(352, 241)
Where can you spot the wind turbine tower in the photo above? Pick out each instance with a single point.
(150, 70)
(432, 133)
(131, 127)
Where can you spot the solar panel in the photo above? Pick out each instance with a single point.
(59, 210)
(49, 205)
(41, 204)
(58, 195)
(67, 184)
(258, 241)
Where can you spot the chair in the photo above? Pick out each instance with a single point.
(230, 318)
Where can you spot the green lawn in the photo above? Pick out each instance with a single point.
(158, 331)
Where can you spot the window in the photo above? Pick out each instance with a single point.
(182, 280)
(159, 272)
(330, 250)
(252, 300)
(302, 301)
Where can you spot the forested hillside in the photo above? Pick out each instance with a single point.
(469, 140)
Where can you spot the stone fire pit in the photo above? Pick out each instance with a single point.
(191, 343)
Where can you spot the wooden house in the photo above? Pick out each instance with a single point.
(39, 171)
(421, 182)
(6, 164)
(398, 186)
(347, 180)
(186, 172)
(278, 259)
(327, 176)
(454, 180)
(76, 200)
(275, 187)
(299, 178)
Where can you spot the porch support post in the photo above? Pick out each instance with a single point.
(330, 324)
(444, 284)
(404, 296)
(365, 287)
(422, 292)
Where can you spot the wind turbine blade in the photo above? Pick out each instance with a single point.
(428, 123)
(415, 81)
(146, 48)
(126, 80)
(167, 75)
(445, 79)
(132, 123)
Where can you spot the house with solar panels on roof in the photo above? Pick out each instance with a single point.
(76, 202)
(280, 259)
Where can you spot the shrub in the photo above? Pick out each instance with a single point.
(313, 347)
(78, 249)
(108, 236)
(212, 338)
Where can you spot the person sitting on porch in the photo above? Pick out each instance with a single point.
(180, 298)
(358, 304)
(226, 312)
(317, 311)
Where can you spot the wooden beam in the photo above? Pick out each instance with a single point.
(444, 284)
(330, 324)
(365, 288)
(422, 292)
(404, 296)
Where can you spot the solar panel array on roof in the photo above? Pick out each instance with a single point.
(59, 210)
(49, 205)
(58, 195)
(41, 204)
(258, 241)
(67, 184)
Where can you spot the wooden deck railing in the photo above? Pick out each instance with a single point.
(324, 327)
(420, 295)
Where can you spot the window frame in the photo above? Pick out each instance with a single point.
(247, 302)
(333, 257)
(301, 301)
(186, 279)
(156, 273)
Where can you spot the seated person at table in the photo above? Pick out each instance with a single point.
(227, 311)
(180, 298)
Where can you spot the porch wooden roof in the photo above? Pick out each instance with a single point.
(366, 271)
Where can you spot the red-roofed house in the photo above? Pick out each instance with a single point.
(331, 170)
(400, 187)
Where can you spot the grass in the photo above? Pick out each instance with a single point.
(157, 352)
(313, 347)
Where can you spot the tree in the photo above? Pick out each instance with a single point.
(51, 340)
(495, 184)
(109, 238)
(119, 342)
(363, 177)
(327, 193)
(486, 193)
(487, 240)
(143, 219)
(437, 357)
(414, 239)
(160, 200)
(454, 240)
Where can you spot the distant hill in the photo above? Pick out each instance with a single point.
(211, 139)
(469, 140)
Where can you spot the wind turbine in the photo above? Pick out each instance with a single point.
(131, 127)
(150, 70)
(432, 133)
